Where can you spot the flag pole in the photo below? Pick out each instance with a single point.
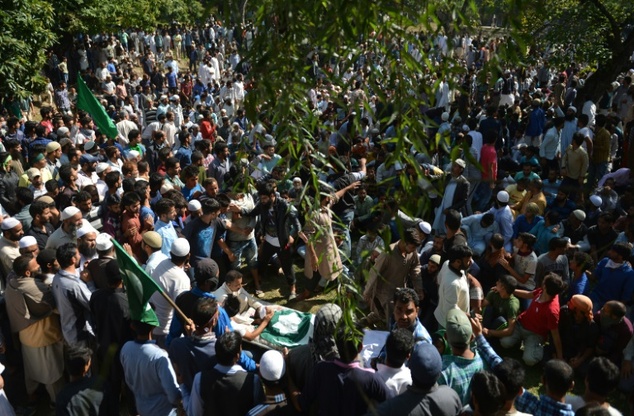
(178, 310)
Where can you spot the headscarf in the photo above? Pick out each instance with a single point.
(322, 344)
(581, 303)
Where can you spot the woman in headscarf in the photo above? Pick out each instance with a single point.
(321, 346)
(579, 333)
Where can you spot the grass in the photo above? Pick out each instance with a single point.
(276, 291)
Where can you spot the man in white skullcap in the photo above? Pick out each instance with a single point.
(87, 245)
(97, 267)
(72, 221)
(171, 277)
(12, 232)
(504, 219)
(28, 245)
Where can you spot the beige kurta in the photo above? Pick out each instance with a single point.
(319, 226)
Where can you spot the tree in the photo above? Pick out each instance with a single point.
(27, 32)
(593, 32)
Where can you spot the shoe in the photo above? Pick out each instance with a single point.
(305, 295)
(292, 297)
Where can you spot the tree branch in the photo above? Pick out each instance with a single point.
(614, 25)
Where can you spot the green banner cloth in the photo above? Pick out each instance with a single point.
(88, 102)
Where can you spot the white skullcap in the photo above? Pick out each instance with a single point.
(133, 154)
(180, 247)
(165, 188)
(69, 212)
(596, 200)
(445, 116)
(579, 214)
(28, 241)
(104, 242)
(272, 365)
(194, 205)
(102, 167)
(425, 227)
(87, 229)
(9, 223)
(503, 197)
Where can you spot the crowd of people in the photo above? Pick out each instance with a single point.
(529, 241)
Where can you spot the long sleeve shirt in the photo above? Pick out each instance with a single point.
(150, 375)
(550, 145)
(575, 162)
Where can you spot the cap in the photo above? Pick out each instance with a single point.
(133, 154)
(153, 239)
(194, 205)
(69, 212)
(27, 241)
(297, 180)
(102, 167)
(46, 256)
(32, 173)
(460, 163)
(272, 365)
(46, 199)
(579, 214)
(522, 146)
(175, 98)
(596, 200)
(425, 364)
(86, 158)
(573, 109)
(163, 97)
(425, 227)
(53, 146)
(87, 229)
(62, 131)
(89, 146)
(9, 223)
(64, 141)
(165, 188)
(435, 258)
(503, 197)
(537, 101)
(206, 269)
(458, 327)
(104, 242)
(445, 116)
(180, 247)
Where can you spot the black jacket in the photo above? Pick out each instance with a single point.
(285, 219)
(8, 185)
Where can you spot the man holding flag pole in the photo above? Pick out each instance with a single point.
(148, 370)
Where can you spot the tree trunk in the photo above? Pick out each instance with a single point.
(597, 84)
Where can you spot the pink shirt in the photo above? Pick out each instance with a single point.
(489, 161)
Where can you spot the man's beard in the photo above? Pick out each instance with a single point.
(86, 251)
(72, 230)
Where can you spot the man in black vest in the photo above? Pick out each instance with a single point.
(226, 388)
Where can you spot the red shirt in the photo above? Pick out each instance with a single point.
(541, 317)
(207, 130)
(489, 161)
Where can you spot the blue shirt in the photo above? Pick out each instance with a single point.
(504, 219)
(168, 234)
(544, 234)
(521, 224)
(150, 375)
(543, 405)
(612, 284)
(187, 193)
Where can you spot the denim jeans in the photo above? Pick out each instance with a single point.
(246, 248)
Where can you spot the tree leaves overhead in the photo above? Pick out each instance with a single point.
(24, 37)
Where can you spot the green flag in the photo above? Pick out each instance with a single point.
(139, 287)
(88, 102)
